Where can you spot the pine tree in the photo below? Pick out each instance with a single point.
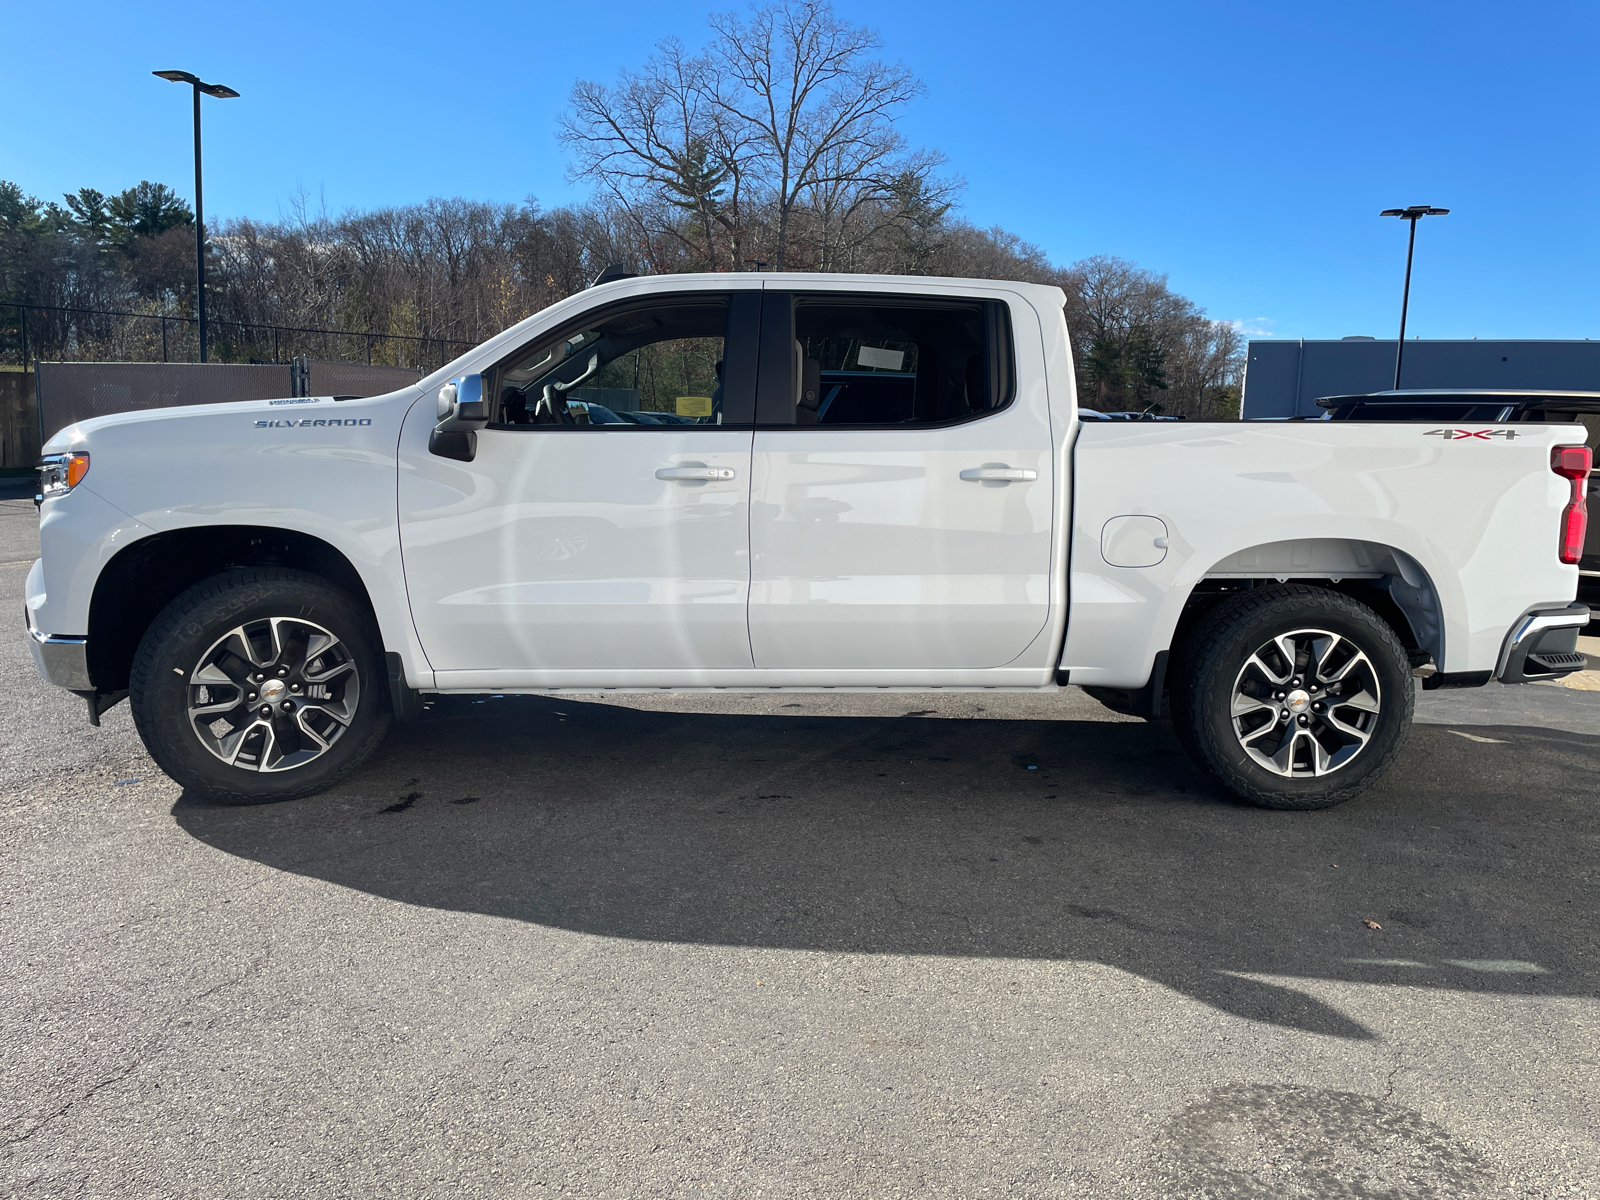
(146, 211)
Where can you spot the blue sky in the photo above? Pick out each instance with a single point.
(1243, 149)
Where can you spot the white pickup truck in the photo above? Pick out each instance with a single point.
(791, 482)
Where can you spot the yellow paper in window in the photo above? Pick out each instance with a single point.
(694, 406)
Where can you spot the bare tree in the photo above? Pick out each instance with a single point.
(1138, 344)
(818, 111)
(656, 146)
(1206, 362)
(785, 120)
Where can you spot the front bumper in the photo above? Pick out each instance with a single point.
(1543, 644)
(64, 661)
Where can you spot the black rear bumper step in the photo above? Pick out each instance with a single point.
(1543, 644)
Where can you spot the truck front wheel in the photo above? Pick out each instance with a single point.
(262, 684)
(1293, 697)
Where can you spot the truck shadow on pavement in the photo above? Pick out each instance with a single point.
(1050, 839)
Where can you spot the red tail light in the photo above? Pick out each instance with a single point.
(1573, 462)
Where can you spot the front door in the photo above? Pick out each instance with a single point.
(902, 498)
(603, 524)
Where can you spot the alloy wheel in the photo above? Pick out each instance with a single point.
(273, 694)
(1306, 703)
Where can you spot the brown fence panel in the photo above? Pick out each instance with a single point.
(19, 422)
(71, 392)
(358, 379)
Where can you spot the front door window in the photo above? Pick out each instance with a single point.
(655, 364)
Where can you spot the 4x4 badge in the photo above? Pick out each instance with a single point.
(1456, 435)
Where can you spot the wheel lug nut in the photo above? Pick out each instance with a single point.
(258, 677)
(1281, 695)
(283, 670)
(294, 687)
(252, 696)
(266, 710)
(1304, 720)
(287, 707)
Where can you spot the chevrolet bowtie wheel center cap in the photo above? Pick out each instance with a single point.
(1296, 702)
(274, 690)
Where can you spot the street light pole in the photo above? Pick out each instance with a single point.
(222, 93)
(200, 237)
(1413, 214)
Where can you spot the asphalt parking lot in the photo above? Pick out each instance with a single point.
(797, 946)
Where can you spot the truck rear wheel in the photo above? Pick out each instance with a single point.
(1293, 697)
(262, 684)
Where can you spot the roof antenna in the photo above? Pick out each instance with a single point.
(613, 273)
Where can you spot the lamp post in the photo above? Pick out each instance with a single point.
(1413, 214)
(221, 93)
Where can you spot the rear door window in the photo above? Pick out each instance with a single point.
(876, 361)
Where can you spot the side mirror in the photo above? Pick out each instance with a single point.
(462, 410)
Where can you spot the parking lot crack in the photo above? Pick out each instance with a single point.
(142, 1056)
(245, 976)
(1389, 1094)
(74, 1102)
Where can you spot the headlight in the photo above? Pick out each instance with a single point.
(60, 473)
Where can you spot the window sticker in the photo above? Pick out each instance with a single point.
(694, 406)
(888, 360)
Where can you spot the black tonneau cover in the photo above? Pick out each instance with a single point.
(1484, 407)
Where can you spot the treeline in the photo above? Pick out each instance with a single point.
(775, 147)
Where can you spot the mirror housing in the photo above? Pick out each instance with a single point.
(462, 410)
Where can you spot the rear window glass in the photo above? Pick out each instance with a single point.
(872, 362)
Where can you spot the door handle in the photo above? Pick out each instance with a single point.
(695, 473)
(999, 474)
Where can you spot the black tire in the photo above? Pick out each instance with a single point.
(1223, 697)
(332, 721)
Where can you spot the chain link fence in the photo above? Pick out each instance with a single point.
(35, 332)
(355, 379)
(107, 361)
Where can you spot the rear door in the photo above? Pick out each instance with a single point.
(902, 483)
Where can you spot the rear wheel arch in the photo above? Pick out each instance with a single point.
(145, 577)
(1390, 582)
(1385, 579)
